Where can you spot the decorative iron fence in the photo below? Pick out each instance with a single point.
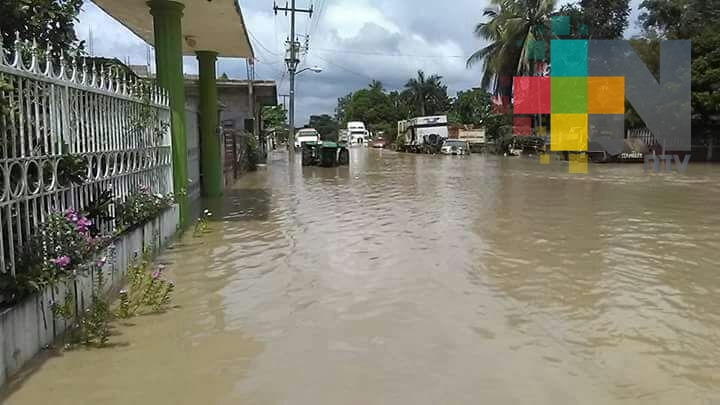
(68, 132)
(643, 135)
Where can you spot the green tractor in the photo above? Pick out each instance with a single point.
(325, 154)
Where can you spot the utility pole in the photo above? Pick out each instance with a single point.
(292, 62)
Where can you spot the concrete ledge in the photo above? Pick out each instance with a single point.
(30, 326)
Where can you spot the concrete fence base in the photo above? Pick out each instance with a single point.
(28, 327)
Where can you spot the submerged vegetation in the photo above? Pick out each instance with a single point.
(148, 292)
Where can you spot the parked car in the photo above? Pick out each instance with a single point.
(378, 143)
(455, 147)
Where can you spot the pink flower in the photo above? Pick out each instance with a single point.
(71, 215)
(156, 274)
(61, 261)
(84, 223)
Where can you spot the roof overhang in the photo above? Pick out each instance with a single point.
(265, 91)
(215, 25)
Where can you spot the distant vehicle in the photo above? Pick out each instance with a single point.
(378, 143)
(325, 154)
(358, 134)
(344, 136)
(306, 135)
(455, 147)
(423, 134)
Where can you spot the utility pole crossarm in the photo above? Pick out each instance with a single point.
(297, 10)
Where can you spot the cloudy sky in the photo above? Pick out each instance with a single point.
(354, 41)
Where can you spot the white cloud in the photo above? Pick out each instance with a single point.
(355, 41)
(347, 18)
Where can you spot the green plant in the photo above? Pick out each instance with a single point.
(123, 310)
(251, 152)
(95, 326)
(147, 116)
(98, 211)
(66, 310)
(61, 248)
(140, 208)
(72, 169)
(147, 292)
(5, 87)
(201, 225)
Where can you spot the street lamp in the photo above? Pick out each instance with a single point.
(314, 69)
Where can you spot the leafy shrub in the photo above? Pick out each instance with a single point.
(61, 248)
(98, 211)
(72, 170)
(94, 328)
(140, 208)
(147, 292)
(252, 153)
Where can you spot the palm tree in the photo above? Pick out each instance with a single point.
(513, 28)
(427, 93)
(376, 85)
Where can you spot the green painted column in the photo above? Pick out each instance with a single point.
(167, 26)
(209, 139)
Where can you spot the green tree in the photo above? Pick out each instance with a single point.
(274, 116)
(514, 29)
(698, 21)
(325, 125)
(605, 19)
(428, 94)
(470, 107)
(50, 22)
(341, 109)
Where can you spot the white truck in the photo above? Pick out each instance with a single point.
(359, 136)
(423, 134)
(306, 135)
(344, 136)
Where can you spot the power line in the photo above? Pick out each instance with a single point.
(389, 54)
(352, 71)
(263, 46)
(320, 13)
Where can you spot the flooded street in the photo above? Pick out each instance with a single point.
(412, 279)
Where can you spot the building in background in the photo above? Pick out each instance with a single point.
(241, 103)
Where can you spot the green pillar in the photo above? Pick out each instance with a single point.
(209, 139)
(167, 25)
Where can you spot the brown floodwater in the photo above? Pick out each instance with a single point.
(411, 279)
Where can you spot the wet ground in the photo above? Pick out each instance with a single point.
(425, 280)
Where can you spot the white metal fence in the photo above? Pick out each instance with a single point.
(59, 112)
(643, 135)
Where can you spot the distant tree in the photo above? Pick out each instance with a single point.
(698, 21)
(341, 109)
(326, 125)
(428, 94)
(50, 22)
(605, 19)
(470, 107)
(274, 116)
